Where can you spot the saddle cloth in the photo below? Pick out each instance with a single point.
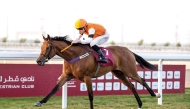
(108, 55)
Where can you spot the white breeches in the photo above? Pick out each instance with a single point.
(100, 40)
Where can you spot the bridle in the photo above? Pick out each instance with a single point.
(48, 52)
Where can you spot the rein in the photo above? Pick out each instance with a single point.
(66, 47)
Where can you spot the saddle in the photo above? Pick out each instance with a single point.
(108, 55)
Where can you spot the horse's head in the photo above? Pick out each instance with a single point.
(47, 51)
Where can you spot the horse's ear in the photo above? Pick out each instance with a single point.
(43, 37)
(48, 37)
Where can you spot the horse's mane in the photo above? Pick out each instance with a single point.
(66, 39)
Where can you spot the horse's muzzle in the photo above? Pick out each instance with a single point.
(40, 62)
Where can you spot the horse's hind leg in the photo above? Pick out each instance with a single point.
(60, 83)
(149, 89)
(143, 82)
(126, 82)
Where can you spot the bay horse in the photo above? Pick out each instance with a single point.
(85, 68)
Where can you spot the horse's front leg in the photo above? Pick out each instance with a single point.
(61, 82)
(88, 82)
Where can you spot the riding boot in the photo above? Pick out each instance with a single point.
(100, 54)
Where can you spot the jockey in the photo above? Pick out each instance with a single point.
(97, 35)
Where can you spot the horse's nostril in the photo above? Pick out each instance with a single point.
(37, 61)
(40, 62)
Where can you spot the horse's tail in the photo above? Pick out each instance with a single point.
(143, 63)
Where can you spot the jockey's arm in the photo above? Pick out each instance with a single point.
(91, 32)
(87, 40)
(79, 36)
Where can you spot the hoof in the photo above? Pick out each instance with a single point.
(139, 108)
(158, 95)
(38, 104)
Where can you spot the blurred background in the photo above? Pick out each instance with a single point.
(159, 26)
(159, 22)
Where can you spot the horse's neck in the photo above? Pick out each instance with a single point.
(69, 53)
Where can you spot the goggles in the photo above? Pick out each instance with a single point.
(80, 28)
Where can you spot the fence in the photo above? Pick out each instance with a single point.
(146, 47)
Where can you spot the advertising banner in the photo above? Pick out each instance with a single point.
(22, 80)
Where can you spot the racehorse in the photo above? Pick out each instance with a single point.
(80, 63)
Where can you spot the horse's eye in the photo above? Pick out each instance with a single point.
(47, 48)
